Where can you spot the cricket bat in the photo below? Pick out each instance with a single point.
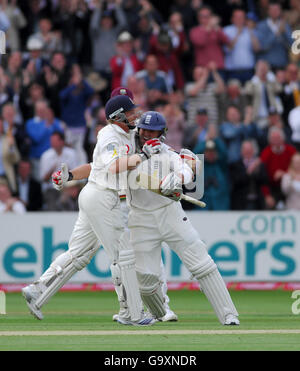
(152, 184)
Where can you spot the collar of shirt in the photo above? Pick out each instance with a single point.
(121, 131)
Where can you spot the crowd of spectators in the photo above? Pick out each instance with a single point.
(221, 72)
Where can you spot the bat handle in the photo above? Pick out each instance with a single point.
(193, 200)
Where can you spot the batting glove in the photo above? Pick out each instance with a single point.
(151, 147)
(61, 177)
(171, 186)
(187, 155)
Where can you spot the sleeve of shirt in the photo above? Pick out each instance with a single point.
(110, 152)
(179, 166)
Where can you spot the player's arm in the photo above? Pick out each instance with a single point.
(61, 177)
(171, 185)
(130, 162)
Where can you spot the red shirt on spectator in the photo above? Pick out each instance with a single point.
(117, 65)
(167, 59)
(208, 46)
(276, 161)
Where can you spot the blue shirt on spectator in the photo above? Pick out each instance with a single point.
(274, 47)
(242, 55)
(233, 136)
(74, 104)
(40, 134)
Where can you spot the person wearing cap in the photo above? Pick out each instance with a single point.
(100, 217)
(125, 62)
(240, 55)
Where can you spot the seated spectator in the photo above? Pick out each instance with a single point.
(30, 94)
(139, 91)
(168, 60)
(196, 133)
(247, 177)
(233, 95)
(39, 129)
(216, 186)
(276, 157)
(262, 93)
(29, 190)
(290, 184)
(51, 161)
(274, 120)
(274, 35)
(6, 92)
(292, 14)
(50, 40)
(155, 80)
(8, 203)
(68, 197)
(234, 131)
(22, 140)
(9, 156)
(14, 68)
(175, 124)
(94, 125)
(207, 39)
(290, 94)
(240, 55)
(125, 62)
(203, 93)
(34, 61)
(294, 123)
(74, 101)
(17, 22)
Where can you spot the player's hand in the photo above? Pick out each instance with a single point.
(151, 147)
(188, 155)
(171, 186)
(60, 178)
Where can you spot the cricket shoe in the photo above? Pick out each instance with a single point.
(31, 294)
(123, 313)
(170, 316)
(231, 320)
(144, 321)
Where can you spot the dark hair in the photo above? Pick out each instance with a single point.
(60, 134)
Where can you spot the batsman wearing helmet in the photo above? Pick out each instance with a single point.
(99, 216)
(154, 219)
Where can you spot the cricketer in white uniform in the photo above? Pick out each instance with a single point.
(154, 219)
(100, 219)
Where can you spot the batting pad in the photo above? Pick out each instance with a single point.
(151, 293)
(217, 294)
(129, 280)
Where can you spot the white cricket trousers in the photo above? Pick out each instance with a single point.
(169, 224)
(99, 221)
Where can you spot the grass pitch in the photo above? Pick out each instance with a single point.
(83, 321)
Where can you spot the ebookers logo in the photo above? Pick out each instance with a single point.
(2, 42)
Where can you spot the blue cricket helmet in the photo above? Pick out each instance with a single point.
(152, 120)
(118, 105)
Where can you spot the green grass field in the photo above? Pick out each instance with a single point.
(83, 321)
